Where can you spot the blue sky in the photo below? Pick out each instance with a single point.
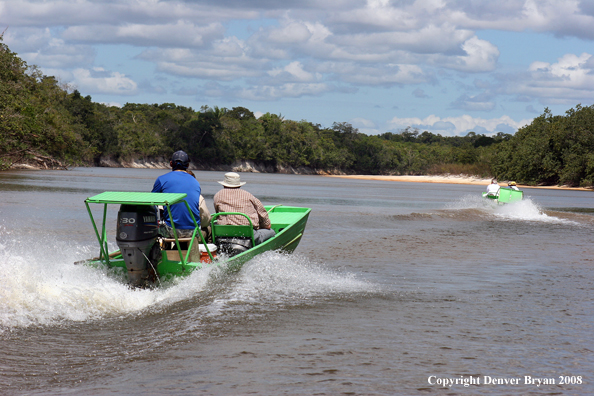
(446, 66)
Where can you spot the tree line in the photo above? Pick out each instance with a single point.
(43, 122)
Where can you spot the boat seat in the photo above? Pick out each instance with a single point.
(171, 249)
(169, 243)
(179, 239)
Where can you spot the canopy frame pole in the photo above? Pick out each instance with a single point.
(197, 229)
(102, 239)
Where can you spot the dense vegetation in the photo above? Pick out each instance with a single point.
(34, 124)
(44, 123)
(551, 150)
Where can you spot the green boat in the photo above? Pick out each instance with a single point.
(506, 195)
(147, 258)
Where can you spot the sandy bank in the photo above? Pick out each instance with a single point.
(448, 180)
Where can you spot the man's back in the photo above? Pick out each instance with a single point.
(493, 189)
(233, 199)
(238, 200)
(181, 182)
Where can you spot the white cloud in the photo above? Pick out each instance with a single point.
(388, 75)
(450, 126)
(382, 74)
(422, 41)
(365, 125)
(290, 90)
(39, 47)
(362, 123)
(294, 72)
(229, 47)
(266, 92)
(291, 33)
(103, 82)
(375, 14)
(181, 34)
(558, 17)
(27, 39)
(569, 80)
(223, 63)
(480, 102)
(206, 70)
(480, 56)
(116, 13)
(292, 38)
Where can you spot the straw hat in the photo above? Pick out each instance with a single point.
(232, 180)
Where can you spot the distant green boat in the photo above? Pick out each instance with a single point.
(506, 195)
(147, 258)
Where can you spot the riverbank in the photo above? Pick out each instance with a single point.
(162, 163)
(250, 167)
(450, 179)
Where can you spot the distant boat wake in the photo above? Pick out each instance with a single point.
(525, 210)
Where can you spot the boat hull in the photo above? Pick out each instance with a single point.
(506, 196)
(288, 222)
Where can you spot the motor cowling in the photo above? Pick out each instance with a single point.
(136, 236)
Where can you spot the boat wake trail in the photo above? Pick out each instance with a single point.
(42, 287)
(525, 210)
(292, 279)
(273, 281)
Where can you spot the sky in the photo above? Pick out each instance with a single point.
(443, 66)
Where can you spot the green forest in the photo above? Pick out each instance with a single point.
(43, 123)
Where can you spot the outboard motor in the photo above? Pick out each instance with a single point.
(137, 233)
(232, 246)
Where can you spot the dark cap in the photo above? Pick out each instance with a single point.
(180, 156)
(180, 160)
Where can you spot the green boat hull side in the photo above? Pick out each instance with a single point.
(284, 241)
(287, 238)
(506, 195)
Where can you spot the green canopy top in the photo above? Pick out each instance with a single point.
(137, 198)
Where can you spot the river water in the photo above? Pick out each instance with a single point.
(396, 289)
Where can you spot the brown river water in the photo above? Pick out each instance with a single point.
(396, 289)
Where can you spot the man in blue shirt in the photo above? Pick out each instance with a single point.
(179, 181)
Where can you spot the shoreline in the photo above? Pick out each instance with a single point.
(468, 180)
(246, 167)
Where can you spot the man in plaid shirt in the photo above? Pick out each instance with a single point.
(233, 199)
